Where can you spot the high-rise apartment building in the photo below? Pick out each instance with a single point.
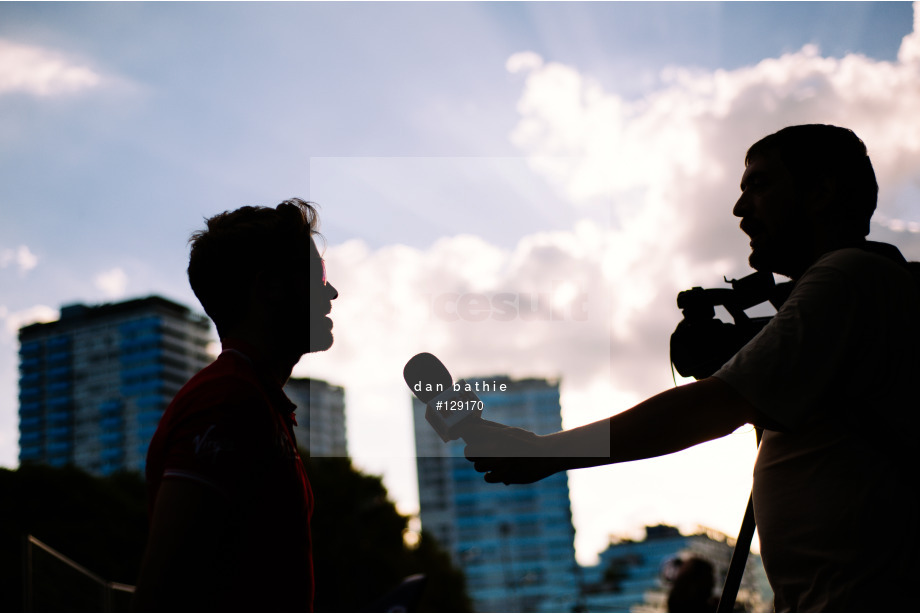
(515, 544)
(94, 383)
(320, 416)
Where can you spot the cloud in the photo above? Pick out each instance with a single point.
(909, 53)
(17, 319)
(112, 282)
(41, 72)
(580, 304)
(666, 166)
(21, 256)
(664, 170)
(575, 304)
(526, 60)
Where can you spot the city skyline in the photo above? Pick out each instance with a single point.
(518, 188)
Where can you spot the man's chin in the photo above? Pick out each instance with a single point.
(320, 341)
(757, 261)
(762, 260)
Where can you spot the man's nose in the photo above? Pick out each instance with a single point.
(334, 294)
(741, 206)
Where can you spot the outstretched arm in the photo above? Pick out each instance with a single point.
(673, 420)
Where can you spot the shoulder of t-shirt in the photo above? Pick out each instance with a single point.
(857, 263)
(853, 272)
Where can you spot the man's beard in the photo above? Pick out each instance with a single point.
(786, 258)
(320, 338)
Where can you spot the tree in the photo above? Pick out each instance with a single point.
(358, 547)
(101, 523)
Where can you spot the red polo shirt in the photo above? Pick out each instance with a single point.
(229, 428)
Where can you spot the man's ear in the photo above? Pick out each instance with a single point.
(268, 286)
(823, 195)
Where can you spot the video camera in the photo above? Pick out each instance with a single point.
(702, 343)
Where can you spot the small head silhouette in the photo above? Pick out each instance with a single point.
(692, 588)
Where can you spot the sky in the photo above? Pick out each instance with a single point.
(578, 159)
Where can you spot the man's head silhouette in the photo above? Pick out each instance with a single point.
(259, 276)
(805, 190)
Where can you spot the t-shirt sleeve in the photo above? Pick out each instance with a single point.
(213, 444)
(798, 359)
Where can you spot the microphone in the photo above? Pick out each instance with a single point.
(427, 376)
(449, 408)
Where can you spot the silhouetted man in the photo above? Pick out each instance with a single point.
(229, 499)
(830, 378)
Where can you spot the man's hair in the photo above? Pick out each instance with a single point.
(813, 152)
(226, 256)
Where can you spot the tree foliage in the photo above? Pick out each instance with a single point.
(101, 523)
(358, 547)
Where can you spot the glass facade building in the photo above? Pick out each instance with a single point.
(515, 544)
(320, 416)
(94, 383)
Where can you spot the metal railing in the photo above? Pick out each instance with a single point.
(30, 542)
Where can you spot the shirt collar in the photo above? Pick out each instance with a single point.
(266, 376)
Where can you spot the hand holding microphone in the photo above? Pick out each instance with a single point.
(510, 455)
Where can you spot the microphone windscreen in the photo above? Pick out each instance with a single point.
(427, 376)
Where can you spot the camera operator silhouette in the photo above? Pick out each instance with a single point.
(830, 378)
(229, 499)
